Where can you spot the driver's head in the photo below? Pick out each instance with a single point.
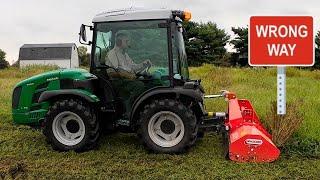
(122, 41)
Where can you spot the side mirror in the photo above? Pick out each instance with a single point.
(83, 34)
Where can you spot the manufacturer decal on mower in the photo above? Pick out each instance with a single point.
(253, 142)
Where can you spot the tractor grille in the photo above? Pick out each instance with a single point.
(36, 107)
(36, 115)
(40, 88)
(16, 97)
(36, 96)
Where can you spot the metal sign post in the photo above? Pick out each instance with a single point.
(281, 90)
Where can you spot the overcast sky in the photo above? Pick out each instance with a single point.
(58, 21)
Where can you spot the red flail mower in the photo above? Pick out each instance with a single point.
(247, 139)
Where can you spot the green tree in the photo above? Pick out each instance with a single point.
(240, 43)
(317, 51)
(84, 57)
(16, 64)
(205, 43)
(3, 63)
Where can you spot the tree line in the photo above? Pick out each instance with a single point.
(205, 43)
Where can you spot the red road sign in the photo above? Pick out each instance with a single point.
(281, 41)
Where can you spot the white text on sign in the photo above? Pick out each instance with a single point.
(282, 31)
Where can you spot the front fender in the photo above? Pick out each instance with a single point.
(45, 96)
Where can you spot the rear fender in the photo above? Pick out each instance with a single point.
(166, 92)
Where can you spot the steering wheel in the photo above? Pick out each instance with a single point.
(145, 73)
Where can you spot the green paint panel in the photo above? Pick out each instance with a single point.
(29, 110)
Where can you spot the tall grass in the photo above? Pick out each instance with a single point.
(283, 126)
(21, 73)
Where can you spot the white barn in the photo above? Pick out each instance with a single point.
(62, 55)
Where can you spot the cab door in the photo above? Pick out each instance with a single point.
(133, 56)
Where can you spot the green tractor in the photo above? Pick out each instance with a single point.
(138, 82)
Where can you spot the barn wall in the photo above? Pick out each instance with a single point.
(62, 63)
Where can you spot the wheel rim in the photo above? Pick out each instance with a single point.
(68, 128)
(166, 129)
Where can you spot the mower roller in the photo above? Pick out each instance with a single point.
(138, 82)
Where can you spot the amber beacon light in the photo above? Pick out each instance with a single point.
(186, 15)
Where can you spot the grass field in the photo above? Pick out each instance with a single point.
(25, 154)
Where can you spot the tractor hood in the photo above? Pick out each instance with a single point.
(75, 74)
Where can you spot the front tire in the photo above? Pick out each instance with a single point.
(71, 125)
(167, 126)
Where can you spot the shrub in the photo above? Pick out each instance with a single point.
(4, 64)
(16, 64)
(282, 127)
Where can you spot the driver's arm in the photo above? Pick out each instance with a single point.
(135, 67)
(122, 74)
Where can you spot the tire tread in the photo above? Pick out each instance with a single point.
(177, 107)
(85, 112)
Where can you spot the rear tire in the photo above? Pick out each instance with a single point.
(71, 125)
(167, 126)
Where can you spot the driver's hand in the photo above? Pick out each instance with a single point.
(147, 63)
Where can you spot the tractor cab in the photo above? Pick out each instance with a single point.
(136, 51)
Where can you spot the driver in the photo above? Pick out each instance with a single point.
(120, 60)
(126, 71)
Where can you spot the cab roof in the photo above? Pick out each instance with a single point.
(132, 14)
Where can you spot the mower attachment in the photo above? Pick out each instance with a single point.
(248, 139)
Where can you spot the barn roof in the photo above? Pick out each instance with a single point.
(46, 51)
(48, 45)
